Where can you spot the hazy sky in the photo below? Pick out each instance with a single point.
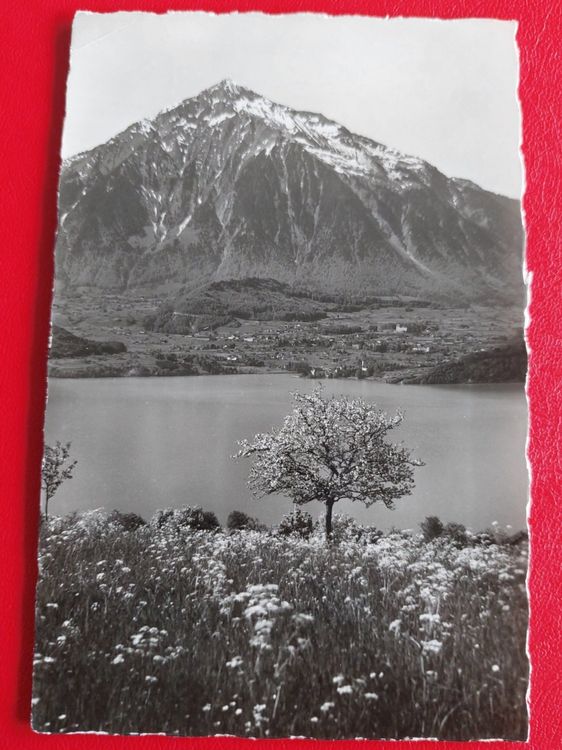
(442, 90)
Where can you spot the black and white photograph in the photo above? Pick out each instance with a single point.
(284, 486)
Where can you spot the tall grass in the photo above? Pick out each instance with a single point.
(253, 634)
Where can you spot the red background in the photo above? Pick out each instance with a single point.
(34, 40)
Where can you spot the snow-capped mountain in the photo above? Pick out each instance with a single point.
(231, 185)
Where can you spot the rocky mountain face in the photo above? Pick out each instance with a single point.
(229, 185)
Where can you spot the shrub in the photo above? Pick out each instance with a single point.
(432, 527)
(485, 538)
(194, 518)
(344, 528)
(456, 533)
(210, 521)
(126, 521)
(239, 521)
(297, 522)
(370, 534)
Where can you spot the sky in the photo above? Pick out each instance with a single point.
(445, 91)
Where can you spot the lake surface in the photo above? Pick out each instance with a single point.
(149, 443)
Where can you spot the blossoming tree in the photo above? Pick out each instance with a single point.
(330, 449)
(56, 469)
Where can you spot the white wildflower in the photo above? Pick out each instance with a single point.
(235, 662)
(431, 647)
(345, 690)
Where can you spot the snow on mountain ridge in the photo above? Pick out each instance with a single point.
(323, 138)
(328, 137)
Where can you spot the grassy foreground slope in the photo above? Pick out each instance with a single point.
(259, 635)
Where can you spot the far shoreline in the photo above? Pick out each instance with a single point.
(294, 376)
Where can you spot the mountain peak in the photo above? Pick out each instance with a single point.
(228, 87)
(230, 184)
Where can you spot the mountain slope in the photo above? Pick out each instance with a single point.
(65, 344)
(502, 364)
(230, 185)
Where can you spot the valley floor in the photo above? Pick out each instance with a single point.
(393, 342)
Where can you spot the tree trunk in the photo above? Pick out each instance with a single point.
(46, 506)
(329, 507)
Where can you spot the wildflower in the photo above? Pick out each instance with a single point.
(52, 605)
(262, 626)
(303, 619)
(325, 707)
(431, 618)
(345, 690)
(206, 708)
(235, 662)
(314, 719)
(119, 659)
(495, 668)
(431, 647)
(338, 679)
(258, 710)
(371, 696)
(394, 626)
(150, 679)
(238, 711)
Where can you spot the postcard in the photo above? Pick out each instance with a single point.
(284, 485)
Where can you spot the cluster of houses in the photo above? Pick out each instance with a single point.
(289, 343)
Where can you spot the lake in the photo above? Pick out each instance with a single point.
(149, 443)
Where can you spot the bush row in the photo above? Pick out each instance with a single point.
(298, 523)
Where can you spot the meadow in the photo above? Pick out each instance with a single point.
(167, 629)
